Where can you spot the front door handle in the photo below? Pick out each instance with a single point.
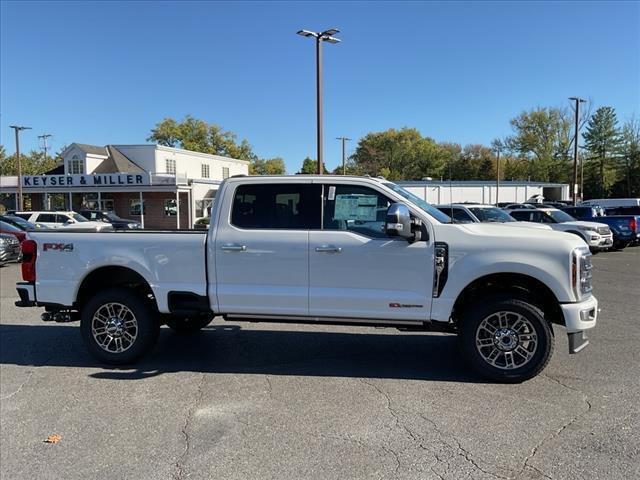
(328, 249)
(234, 247)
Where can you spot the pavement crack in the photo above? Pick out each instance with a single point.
(269, 386)
(534, 451)
(26, 380)
(179, 464)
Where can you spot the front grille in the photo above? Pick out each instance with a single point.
(604, 230)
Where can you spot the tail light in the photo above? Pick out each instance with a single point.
(29, 254)
(633, 225)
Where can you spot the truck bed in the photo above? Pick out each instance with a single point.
(167, 260)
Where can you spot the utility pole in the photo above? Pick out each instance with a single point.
(344, 154)
(325, 36)
(574, 185)
(497, 174)
(17, 129)
(44, 137)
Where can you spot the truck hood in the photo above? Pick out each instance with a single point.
(504, 231)
(580, 223)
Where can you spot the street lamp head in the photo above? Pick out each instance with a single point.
(330, 32)
(307, 33)
(331, 39)
(19, 127)
(577, 99)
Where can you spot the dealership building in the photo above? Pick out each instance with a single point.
(162, 187)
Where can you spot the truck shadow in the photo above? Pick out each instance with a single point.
(233, 349)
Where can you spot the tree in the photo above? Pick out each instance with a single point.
(628, 184)
(310, 166)
(32, 163)
(268, 166)
(399, 155)
(543, 138)
(602, 140)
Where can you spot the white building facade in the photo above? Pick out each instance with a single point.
(163, 187)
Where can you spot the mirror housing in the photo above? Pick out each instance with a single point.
(398, 221)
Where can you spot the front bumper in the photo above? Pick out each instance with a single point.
(579, 317)
(600, 242)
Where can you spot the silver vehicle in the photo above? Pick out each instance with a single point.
(63, 219)
(9, 249)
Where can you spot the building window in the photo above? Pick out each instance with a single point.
(76, 165)
(170, 165)
(136, 207)
(205, 170)
(203, 207)
(225, 172)
(170, 207)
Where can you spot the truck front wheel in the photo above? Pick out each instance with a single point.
(118, 326)
(506, 340)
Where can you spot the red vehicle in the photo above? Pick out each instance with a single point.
(12, 230)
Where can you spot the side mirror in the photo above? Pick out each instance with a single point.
(69, 222)
(398, 221)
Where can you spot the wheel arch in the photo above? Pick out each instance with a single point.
(112, 276)
(517, 285)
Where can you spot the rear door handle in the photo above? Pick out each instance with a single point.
(328, 249)
(234, 247)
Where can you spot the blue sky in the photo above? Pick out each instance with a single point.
(101, 73)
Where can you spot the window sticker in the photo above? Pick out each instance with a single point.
(332, 193)
(356, 207)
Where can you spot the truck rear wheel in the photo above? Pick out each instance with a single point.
(118, 326)
(506, 340)
(188, 324)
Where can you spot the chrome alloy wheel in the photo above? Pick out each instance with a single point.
(114, 327)
(506, 340)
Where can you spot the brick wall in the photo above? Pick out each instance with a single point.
(154, 216)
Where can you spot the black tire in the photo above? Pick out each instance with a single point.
(538, 350)
(620, 245)
(145, 319)
(185, 325)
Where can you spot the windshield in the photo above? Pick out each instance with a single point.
(491, 215)
(110, 216)
(78, 218)
(560, 216)
(427, 207)
(20, 223)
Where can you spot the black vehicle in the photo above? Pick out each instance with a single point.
(110, 217)
(21, 223)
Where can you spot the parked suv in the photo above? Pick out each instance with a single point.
(68, 219)
(110, 217)
(597, 235)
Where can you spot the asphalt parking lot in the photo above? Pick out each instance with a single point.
(278, 401)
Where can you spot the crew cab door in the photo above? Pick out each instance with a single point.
(356, 271)
(261, 248)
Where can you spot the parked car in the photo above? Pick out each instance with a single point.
(479, 213)
(519, 206)
(624, 227)
(312, 249)
(9, 249)
(597, 235)
(9, 229)
(66, 219)
(110, 217)
(21, 223)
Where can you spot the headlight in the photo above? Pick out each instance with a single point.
(133, 225)
(587, 229)
(581, 272)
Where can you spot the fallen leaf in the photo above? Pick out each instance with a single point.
(55, 438)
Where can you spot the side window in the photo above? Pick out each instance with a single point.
(521, 216)
(61, 218)
(545, 218)
(355, 209)
(280, 206)
(460, 216)
(47, 218)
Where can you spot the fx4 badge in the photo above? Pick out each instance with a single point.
(59, 247)
(404, 305)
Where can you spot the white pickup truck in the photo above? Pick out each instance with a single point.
(321, 250)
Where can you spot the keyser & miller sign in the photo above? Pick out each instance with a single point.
(98, 180)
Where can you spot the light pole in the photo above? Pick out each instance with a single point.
(578, 101)
(344, 154)
(44, 137)
(497, 173)
(17, 129)
(325, 36)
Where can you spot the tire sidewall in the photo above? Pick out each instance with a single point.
(148, 326)
(474, 316)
